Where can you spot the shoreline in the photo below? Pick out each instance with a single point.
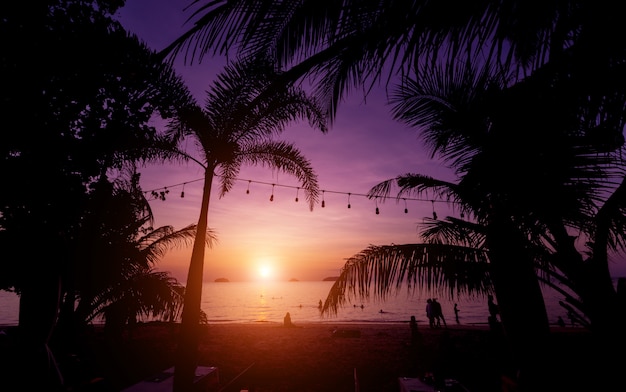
(423, 325)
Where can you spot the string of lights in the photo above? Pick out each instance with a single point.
(161, 194)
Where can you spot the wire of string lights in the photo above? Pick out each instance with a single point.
(161, 193)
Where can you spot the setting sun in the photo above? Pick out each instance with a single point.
(265, 272)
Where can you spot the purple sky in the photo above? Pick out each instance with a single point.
(364, 147)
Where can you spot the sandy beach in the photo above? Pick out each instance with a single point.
(322, 357)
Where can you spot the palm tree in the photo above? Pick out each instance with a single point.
(117, 249)
(146, 293)
(236, 127)
(464, 116)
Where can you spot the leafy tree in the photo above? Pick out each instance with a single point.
(236, 127)
(82, 92)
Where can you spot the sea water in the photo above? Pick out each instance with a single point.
(268, 302)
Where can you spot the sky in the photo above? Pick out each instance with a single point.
(363, 147)
(282, 239)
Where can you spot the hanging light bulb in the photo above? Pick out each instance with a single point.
(182, 194)
(434, 213)
(272, 197)
(406, 210)
(349, 200)
(248, 190)
(377, 210)
(297, 191)
(323, 202)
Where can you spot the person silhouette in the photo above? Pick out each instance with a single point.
(456, 313)
(429, 313)
(493, 307)
(416, 336)
(287, 320)
(438, 313)
(560, 322)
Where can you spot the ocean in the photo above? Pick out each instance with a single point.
(268, 302)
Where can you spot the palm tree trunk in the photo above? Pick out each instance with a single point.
(189, 334)
(607, 315)
(522, 308)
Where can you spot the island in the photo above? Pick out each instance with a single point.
(222, 280)
(330, 279)
(293, 280)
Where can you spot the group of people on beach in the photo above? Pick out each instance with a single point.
(434, 313)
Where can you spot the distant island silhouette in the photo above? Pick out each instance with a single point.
(330, 279)
(293, 280)
(224, 280)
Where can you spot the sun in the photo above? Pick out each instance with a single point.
(265, 272)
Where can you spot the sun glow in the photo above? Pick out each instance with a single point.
(265, 272)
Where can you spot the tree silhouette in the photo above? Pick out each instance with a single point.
(236, 126)
(86, 108)
(564, 50)
(117, 250)
(552, 184)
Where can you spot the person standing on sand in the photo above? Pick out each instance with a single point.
(416, 336)
(493, 308)
(438, 313)
(429, 313)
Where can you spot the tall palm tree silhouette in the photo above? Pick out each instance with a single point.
(471, 120)
(243, 112)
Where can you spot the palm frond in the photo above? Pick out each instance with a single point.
(353, 42)
(416, 185)
(381, 271)
(146, 293)
(281, 156)
(155, 244)
(244, 103)
(454, 231)
(450, 105)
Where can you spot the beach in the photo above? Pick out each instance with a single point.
(264, 357)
